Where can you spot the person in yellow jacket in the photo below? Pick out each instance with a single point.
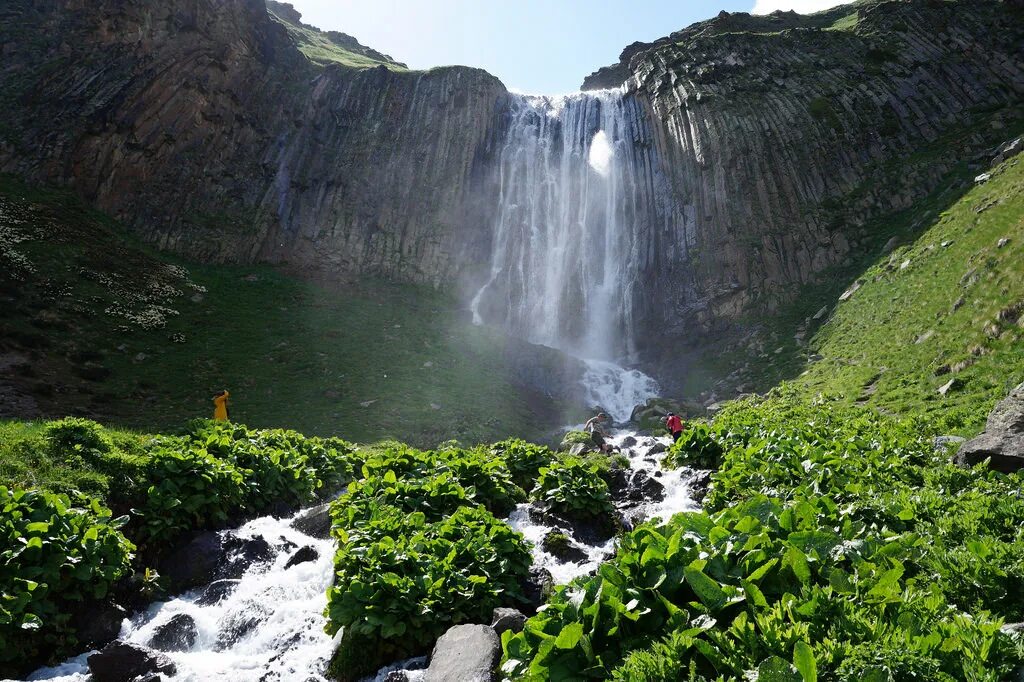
(220, 406)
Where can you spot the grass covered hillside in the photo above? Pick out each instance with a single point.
(94, 324)
(936, 326)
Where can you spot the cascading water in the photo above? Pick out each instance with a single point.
(579, 198)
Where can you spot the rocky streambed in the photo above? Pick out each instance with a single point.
(252, 599)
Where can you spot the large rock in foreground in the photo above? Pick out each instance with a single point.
(466, 653)
(1003, 437)
(123, 662)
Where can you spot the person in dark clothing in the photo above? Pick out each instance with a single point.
(597, 432)
(675, 425)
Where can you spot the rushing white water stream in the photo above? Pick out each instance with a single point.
(270, 627)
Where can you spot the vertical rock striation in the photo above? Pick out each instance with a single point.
(785, 136)
(204, 126)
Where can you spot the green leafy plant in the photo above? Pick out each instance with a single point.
(73, 438)
(402, 580)
(524, 460)
(189, 489)
(697, 447)
(55, 553)
(573, 487)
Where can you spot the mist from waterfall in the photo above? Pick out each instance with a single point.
(579, 197)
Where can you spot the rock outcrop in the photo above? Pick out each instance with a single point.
(784, 136)
(204, 126)
(1002, 441)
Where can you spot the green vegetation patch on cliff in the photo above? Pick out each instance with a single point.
(836, 544)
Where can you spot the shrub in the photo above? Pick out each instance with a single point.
(189, 489)
(573, 488)
(697, 448)
(56, 556)
(402, 581)
(524, 460)
(574, 438)
(73, 438)
(837, 545)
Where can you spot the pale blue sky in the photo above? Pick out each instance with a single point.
(537, 46)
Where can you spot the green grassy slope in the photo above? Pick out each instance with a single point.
(949, 305)
(323, 48)
(96, 325)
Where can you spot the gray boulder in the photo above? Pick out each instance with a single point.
(192, 563)
(123, 662)
(1003, 437)
(507, 619)
(466, 653)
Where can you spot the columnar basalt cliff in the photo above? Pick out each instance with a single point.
(204, 126)
(785, 136)
(218, 133)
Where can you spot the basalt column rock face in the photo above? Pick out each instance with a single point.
(203, 125)
(785, 135)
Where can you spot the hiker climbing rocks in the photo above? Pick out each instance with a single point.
(220, 406)
(597, 432)
(674, 424)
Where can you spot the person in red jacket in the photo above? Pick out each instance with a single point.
(674, 424)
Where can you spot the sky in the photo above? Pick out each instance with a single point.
(534, 46)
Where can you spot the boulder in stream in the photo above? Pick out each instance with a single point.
(217, 591)
(177, 634)
(304, 555)
(193, 562)
(466, 653)
(537, 587)
(503, 620)
(315, 522)
(241, 553)
(124, 662)
(98, 625)
(560, 546)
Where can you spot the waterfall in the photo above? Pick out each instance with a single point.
(578, 203)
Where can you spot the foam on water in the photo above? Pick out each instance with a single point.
(287, 642)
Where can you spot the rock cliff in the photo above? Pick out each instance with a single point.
(787, 137)
(220, 135)
(225, 130)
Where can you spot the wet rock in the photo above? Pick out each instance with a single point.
(536, 587)
(466, 653)
(239, 623)
(643, 488)
(628, 442)
(124, 662)
(100, 624)
(561, 547)
(1003, 437)
(242, 553)
(507, 619)
(397, 676)
(315, 522)
(699, 485)
(304, 555)
(193, 563)
(177, 634)
(217, 591)
(657, 448)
